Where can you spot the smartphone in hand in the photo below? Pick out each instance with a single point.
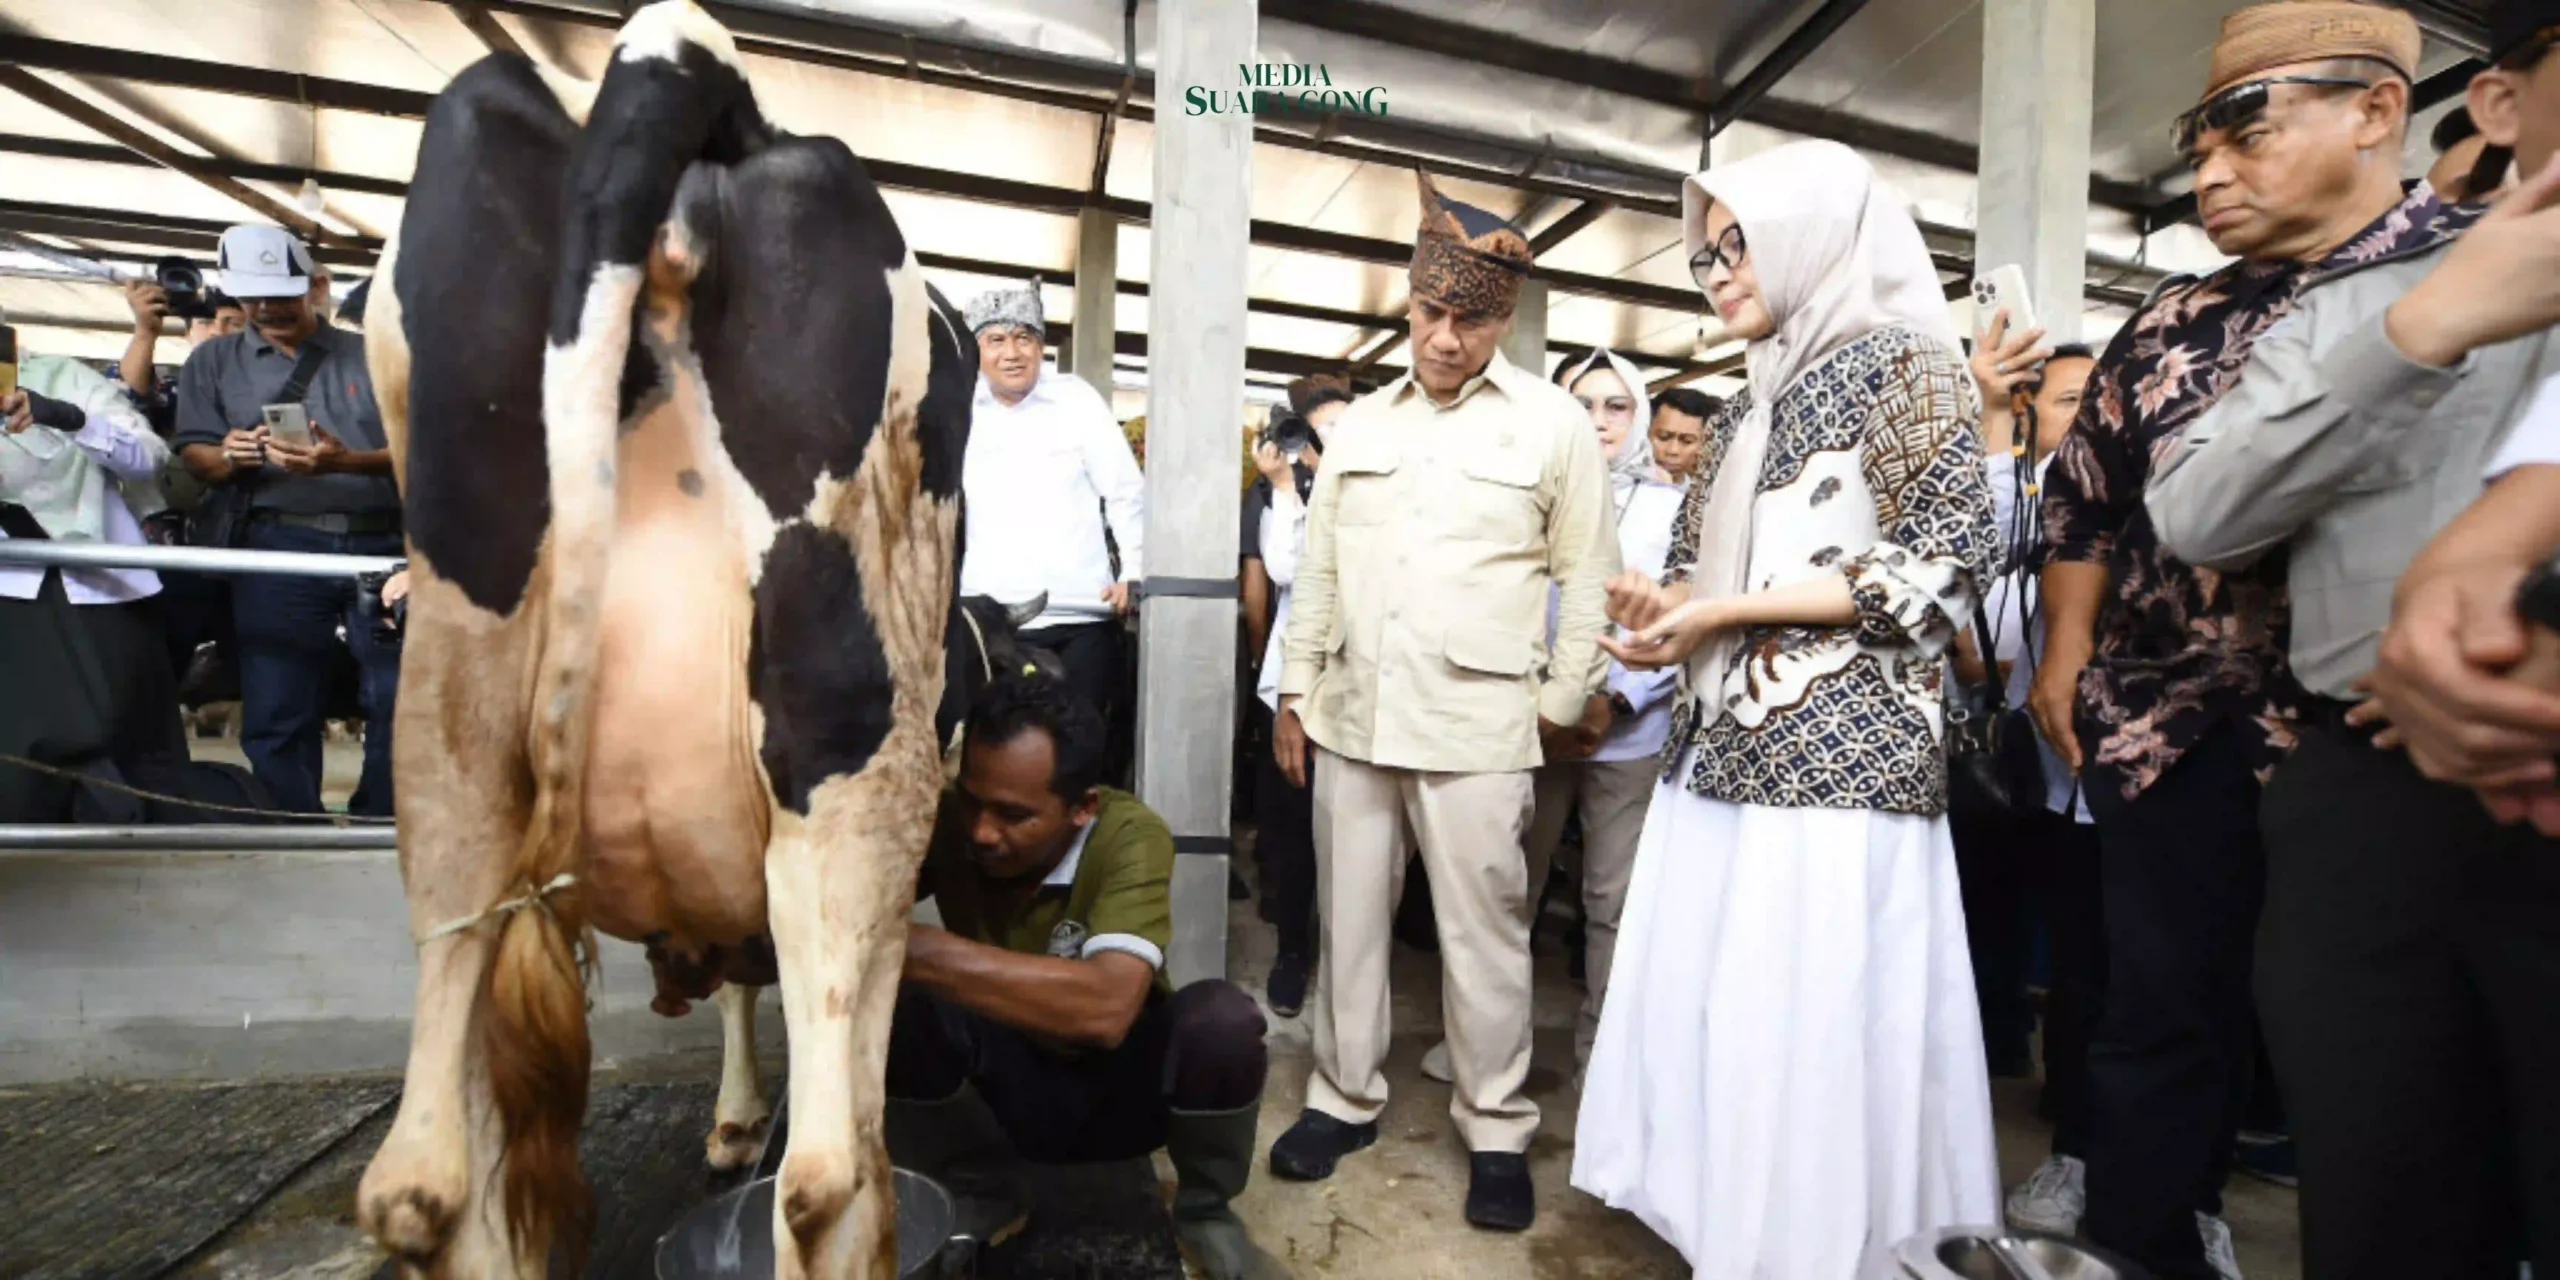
(290, 423)
(2003, 288)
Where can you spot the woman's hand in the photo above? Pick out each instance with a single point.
(1637, 601)
(1670, 639)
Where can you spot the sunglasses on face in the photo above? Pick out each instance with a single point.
(1729, 251)
(2242, 103)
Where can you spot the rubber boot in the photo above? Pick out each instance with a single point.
(958, 1143)
(1213, 1154)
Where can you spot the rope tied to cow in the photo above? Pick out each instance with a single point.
(265, 815)
(538, 898)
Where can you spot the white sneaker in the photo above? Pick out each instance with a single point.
(1435, 1064)
(2217, 1246)
(2052, 1198)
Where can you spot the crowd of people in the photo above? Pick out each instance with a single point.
(2201, 682)
(2208, 684)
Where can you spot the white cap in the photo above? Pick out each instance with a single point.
(259, 261)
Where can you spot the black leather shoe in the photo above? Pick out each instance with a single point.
(1316, 1143)
(1499, 1195)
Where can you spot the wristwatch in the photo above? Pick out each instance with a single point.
(2538, 596)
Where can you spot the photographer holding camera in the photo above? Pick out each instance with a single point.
(176, 289)
(280, 418)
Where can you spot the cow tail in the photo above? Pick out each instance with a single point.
(536, 1037)
(673, 94)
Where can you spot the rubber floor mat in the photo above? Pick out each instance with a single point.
(123, 1182)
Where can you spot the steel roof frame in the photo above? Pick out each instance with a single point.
(1106, 93)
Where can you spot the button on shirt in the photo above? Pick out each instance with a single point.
(1039, 478)
(227, 382)
(1418, 616)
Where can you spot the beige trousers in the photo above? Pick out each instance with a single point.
(1613, 796)
(1470, 827)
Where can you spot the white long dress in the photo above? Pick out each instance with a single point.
(1789, 1079)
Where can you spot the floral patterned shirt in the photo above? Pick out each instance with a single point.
(1874, 473)
(2182, 649)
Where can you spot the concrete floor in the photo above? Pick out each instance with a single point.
(1395, 1210)
(1392, 1211)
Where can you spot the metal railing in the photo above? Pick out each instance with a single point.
(191, 837)
(227, 837)
(224, 561)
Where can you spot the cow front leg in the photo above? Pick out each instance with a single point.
(842, 881)
(741, 1120)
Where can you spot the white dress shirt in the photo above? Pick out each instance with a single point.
(1644, 542)
(1284, 536)
(2535, 439)
(123, 444)
(1039, 478)
(2011, 604)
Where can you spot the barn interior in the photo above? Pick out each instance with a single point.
(201, 1028)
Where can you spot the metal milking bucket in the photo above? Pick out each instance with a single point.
(1989, 1253)
(731, 1238)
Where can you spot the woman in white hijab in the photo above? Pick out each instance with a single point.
(1789, 1077)
(1611, 779)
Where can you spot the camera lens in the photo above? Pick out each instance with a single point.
(179, 276)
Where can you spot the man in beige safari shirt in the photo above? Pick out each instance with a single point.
(1451, 504)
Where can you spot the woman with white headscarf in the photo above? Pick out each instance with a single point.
(1789, 1078)
(1611, 779)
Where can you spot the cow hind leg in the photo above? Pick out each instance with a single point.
(842, 878)
(462, 801)
(741, 1120)
(848, 749)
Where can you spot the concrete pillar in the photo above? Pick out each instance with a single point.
(2038, 65)
(1097, 298)
(1201, 233)
(1526, 344)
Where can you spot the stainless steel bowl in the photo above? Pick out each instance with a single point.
(1990, 1253)
(731, 1237)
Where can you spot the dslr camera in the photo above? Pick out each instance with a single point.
(183, 281)
(1291, 436)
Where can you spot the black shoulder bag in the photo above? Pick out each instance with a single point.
(1994, 765)
(222, 519)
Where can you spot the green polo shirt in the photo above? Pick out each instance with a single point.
(1112, 892)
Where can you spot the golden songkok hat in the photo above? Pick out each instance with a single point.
(1465, 258)
(2262, 37)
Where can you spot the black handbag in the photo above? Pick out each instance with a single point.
(222, 518)
(1993, 763)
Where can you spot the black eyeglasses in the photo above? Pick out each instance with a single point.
(2241, 103)
(1729, 251)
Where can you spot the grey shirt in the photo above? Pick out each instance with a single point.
(228, 380)
(2338, 448)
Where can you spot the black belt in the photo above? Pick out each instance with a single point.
(339, 522)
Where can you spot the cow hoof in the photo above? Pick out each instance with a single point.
(816, 1187)
(411, 1224)
(733, 1146)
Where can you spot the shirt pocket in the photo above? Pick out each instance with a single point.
(1490, 651)
(1368, 487)
(1497, 498)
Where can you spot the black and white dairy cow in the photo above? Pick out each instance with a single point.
(680, 428)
